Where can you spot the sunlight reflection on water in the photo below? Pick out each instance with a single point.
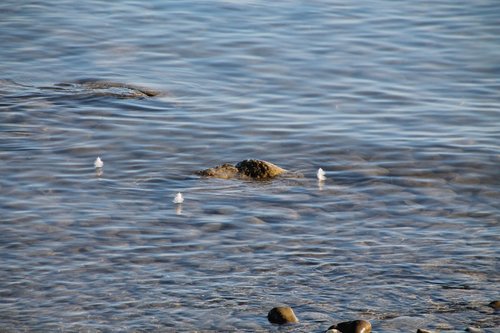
(398, 105)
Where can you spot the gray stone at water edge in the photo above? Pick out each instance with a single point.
(355, 326)
(282, 315)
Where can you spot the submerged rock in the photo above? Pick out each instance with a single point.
(355, 326)
(224, 171)
(91, 87)
(117, 89)
(253, 169)
(282, 315)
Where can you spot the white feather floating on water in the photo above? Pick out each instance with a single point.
(98, 163)
(321, 174)
(178, 198)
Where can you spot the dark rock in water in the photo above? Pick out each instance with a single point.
(355, 326)
(495, 305)
(258, 169)
(253, 169)
(282, 315)
(224, 171)
(473, 329)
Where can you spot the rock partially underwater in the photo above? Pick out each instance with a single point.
(282, 315)
(224, 171)
(355, 326)
(102, 88)
(118, 89)
(247, 169)
(79, 88)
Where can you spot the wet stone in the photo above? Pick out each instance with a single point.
(282, 315)
(423, 331)
(224, 171)
(473, 329)
(355, 326)
(247, 169)
(258, 169)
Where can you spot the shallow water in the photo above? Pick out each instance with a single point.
(398, 103)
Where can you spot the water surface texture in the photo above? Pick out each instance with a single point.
(397, 101)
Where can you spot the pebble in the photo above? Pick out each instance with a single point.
(282, 315)
(355, 326)
(423, 331)
(473, 329)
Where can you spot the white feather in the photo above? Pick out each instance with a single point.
(178, 198)
(98, 163)
(321, 174)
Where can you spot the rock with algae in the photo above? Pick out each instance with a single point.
(224, 171)
(257, 169)
(247, 169)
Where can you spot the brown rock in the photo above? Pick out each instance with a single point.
(355, 326)
(254, 169)
(224, 171)
(282, 315)
(258, 169)
(423, 331)
(495, 305)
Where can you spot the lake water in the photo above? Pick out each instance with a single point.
(397, 101)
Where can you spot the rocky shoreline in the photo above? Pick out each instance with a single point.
(285, 315)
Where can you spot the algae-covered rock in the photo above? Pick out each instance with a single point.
(355, 326)
(282, 315)
(258, 169)
(224, 171)
(253, 169)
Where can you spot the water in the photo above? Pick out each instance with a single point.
(397, 102)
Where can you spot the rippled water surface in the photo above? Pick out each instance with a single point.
(397, 101)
